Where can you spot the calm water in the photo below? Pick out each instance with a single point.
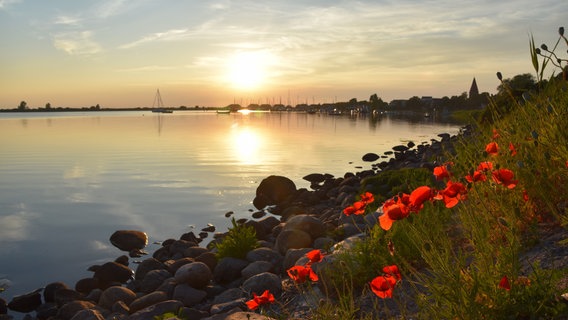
(69, 180)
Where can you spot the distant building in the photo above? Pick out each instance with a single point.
(473, 91)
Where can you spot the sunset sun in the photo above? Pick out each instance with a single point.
(248, 70)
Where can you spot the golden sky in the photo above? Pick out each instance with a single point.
(116, 53)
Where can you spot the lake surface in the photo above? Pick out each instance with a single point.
(69, 180)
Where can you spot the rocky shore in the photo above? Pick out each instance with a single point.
(187, 279)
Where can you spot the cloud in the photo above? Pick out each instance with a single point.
(67, 20)
(110, 8)
(170, 35)
(76, 43)
(5, 3)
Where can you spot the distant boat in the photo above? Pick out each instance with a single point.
(335, 112)
(158, 105)
(427, 115)
(224, 111)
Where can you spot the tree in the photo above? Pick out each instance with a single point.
(23, 106)
(518, 84)
(48, 106)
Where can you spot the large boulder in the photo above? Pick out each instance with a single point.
(263, 281)
(113, 272)
(195, 274)
(309, 224)
(128, 240)
(292, 239)
(273, 190)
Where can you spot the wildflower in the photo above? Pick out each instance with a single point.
(452, 194)
(394, 210)
(419, 196)
(367, 198)
(512, 149)
(525, 196)
(441, 172)
(485, 166)
(492, 148)
(302, 273)
(314, 256)
(504, 283)
(495, 135)
(257, 301)
(504, 177)
(393, 271)
(358, 208)
(476, 176)
(383, 285)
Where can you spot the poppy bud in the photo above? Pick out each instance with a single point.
(537, 50)
(561, 31)
(544, 47)
(499, 76)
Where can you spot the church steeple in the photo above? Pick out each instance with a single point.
(473, 91)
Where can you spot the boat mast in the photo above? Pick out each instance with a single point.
(158, 100)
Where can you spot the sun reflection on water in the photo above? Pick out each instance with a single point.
(246, 144)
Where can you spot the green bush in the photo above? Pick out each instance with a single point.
(238, 242)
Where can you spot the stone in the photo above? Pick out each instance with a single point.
(255, 268)
(228, 306)
(64, 296)
(87, 285)
(194, 252)
(127, 240)
(46, 310)
(208, 258)
(315, 178)
(146, 266)
(147, 300)
(309, 224)
(264, 281)
(292, 256)
(228, 295)
(153, 280)
(195, 274)
(88, 314)
(158, 309)
(370, 157)
(292, 239)
(50, 289)
(26, 302)
(264, 254)
(114, 294)
(189, 296)
(273, 190)
(228, 269)
(69, 310)
(173, 266)
(113, 272)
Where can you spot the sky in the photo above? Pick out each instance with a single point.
(117, 53)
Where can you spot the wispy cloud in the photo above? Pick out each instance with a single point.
(5, 3)
(76, 43)
(110, 8)
(67, 20)
(170, 35)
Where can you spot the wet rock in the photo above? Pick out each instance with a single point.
(3, 306)
(46, 310)
(315, 178)
(64, 296)
(86, 285)
(25, 303)
(273, 190)
(114, 294)
(50, 289)
(127, 240)
(292, 256)
(370, 157)
(195, 274)
(209, 229)
(113, 272)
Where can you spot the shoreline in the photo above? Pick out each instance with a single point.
(325, 201)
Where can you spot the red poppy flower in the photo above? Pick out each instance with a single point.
(358, 208)
(382, 286)
(525, 196)
(394, 210)
(393, 271)
(504, 283)
(495, 135)
(476, 176)
(367, 198)
(485, 166)
(257, 301)
(452, 194)
(504, 177)
(512, 149)
(314, 256)
(302, 273)
(419, 196)
(492, 148)
(441, 172)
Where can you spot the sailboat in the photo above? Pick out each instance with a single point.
(158, 105)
